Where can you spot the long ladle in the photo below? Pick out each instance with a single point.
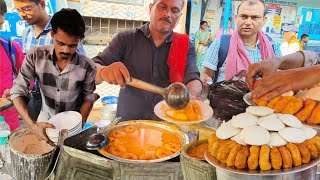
(176, 95)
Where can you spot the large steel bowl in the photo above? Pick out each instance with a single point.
(163, 125)
(305, 171)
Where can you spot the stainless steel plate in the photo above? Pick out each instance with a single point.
(214, 162)
(185, 150)
(163, 125)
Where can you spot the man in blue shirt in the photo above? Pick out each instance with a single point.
(249, 46)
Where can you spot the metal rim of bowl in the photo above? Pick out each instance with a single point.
(214, 162)
(188, 147)
(183, 138)
(28, 155)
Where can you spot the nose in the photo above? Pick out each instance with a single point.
(248, 21)
(167, 12)
(66, 49)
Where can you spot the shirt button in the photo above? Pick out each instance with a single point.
(57, 105)
(58, 90)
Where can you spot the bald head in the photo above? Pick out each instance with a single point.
(154, 1)
(252, 3)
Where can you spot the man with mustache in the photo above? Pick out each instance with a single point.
(152, 53)
(66, 78)
(36, 34)
(247, 45)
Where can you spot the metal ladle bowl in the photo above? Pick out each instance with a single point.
(176, 95)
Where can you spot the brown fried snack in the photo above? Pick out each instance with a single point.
(241, 158)
(295, 153)
(281, 104)
(260, 101)
(312, 148)
(253, 159)
(307, 109)
(264, 159)
(233, 154)
(293, 106)
(305, 153)
(214, 149)
(225, 150)
(316, 141)
(276, 159)
(273, 102)
(315, 116)
(286, 157)
(211, 140)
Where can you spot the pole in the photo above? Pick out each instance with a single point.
(226, 16)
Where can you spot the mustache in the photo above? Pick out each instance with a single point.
(166, 19)
(65, 54)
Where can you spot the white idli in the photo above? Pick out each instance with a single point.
(293, 135)
(255, 135)
(309, 132)
(276, 140)
(271, 122)
(259, 110)
(226, 130)
(237, 138)
(290, 120)
(244, 120)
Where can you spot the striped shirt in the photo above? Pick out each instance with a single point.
(211, 60)
(61, 91)
(29, 39)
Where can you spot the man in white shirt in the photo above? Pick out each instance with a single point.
(291, 44)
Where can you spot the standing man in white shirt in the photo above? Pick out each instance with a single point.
(291, 44)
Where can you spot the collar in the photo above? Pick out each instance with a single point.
(146, 31)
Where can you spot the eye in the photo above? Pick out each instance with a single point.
(175, 11)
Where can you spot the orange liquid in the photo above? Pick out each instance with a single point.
(198, 151)
(144, 139)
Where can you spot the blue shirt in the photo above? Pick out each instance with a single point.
(211, 60)
(137, 51)
(29, 39)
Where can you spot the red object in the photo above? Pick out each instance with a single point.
(177, 59)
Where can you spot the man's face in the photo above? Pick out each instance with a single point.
(65, 45)
(306, 39)
(165, 14)
(29, 11)
(1, 21)
(250, 19)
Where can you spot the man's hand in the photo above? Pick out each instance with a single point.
(116, 73)
(263, 68)
(39, 130)
(205, 78)
(287, 80)
(6, 94)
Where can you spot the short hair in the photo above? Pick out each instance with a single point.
(70, 21)
(253, 2)
(3, 7)
(154, 1)
(304, 36)
(203, 22)
(34, 1)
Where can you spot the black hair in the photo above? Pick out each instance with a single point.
(304, 36)
(203, 22)
(253, 2)
(70, 21)
(3, 7)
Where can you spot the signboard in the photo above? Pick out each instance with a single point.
(310, 23)
(282, 2)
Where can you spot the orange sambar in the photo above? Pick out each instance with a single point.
(142, 142)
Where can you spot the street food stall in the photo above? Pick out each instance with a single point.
(239, 139)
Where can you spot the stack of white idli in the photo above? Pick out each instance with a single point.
(260, 125)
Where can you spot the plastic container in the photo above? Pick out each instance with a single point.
(4, 131)
(109, 108)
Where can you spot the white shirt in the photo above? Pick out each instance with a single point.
(286, 49)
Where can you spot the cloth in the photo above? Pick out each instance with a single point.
(177, 59)
(60, 90)
(137, 51)
(6, 82)
(311, 58)
(200, 48)
(29, 39)
(211, 60)
(239, 60)
(220, 32)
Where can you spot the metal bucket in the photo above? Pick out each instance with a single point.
(29, 166)
(193, 168)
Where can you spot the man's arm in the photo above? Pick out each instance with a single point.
(85, 110)
(195, 89)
